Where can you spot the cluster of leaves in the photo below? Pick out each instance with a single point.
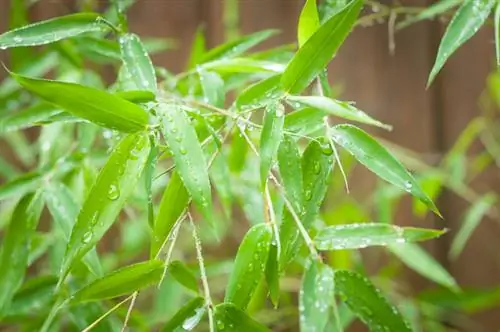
(105, 156)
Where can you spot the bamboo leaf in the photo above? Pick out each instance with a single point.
(198, 48)
(229, 318)
(272, 275)
(308, 22)
(319, 49)
(367, 303)
(213, 88)
(121, 282)
(49, 31)
(437, 8)
(378, 160)
(187, 317)
(137, 62)
(23, 184)
(290, 164)
(249, 265)
(356, 236)
(270, 139)
(243, 65)
(259, 94)
(183, 275)
(137, 96)
(26, 118)
(305, 121)
(88, 103)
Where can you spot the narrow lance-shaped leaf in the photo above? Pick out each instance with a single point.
(121, 282)
(423, 263)
(437, 8)
(319, 49)
(259, 94)
(467, 20)
(49, 31)
(183, 275)
(290, 164)
(356, 236)
(337, 108)
(378, 160)
(273, 274)
(116, 181)
(21, 185)
(26, 118)
(16, 247)
(137, 96)
(97, 106)
(308, 21)
(229, 318)
(316, 296)
(270, 139)
(249, 265)
(305, 121)
(188, 156)
(149, 170)
(198, 48)
(187, 317)
(243, 65)
(137, 62)
(367, 303)
(213, 88)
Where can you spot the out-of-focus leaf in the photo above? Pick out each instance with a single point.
(243, 65)
(26, 118)
(378, 160)
(115, 183)
(305, 121)
(367, 302)
(40, 243)
(249, 265)
(183, 275)
(230, 318)
(34, 295)
(472, 218)
(49, 31)
(137, 62)
(464, 24)
(213, 88)
(188, 156)
(337, 108)
(137, 96)
(319, 49)
(355, 236)
(272, 275)
(198, 48)
(316, 296)
(420, 261)
(121, 282)
(467, 300)
(16, 247)
(187, 317)
(270, 139)
(259, 94)
(290, 164)
(430, 12)
(23, 184)
(308, 22)
(91, 104)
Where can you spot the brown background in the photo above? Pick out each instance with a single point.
(392, 87)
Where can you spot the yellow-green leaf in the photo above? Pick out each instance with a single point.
(308, 21)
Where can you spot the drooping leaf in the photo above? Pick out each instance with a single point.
(230, 318)
(97, 106)
(421, 262)
(367, 302)
(16, 247)
(337, 108)
(355, 236)
(437, 8)
(272, 275)
(188, 156)
(187, 317)
(319, 49)
(249, 265)
(308, 22)
(121, 282)
(173, 202)
(115, 183)
(26, 118)
(270, 139)
(213, 88)
(137, 62)
(183, 275)
(464, 24)
(49, 31)
(378, 160)
(259, 94)
(316, 296)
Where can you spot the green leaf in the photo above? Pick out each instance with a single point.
(355, 236)
(121, 282)
(229, 318)
(187, 317)
(174, 201)
(259, 94)
(249, 265)
(34, 296)
(137, 96)
(316, 296)
(465, 23)
(305, 121)
(188, 157)
(115, 183)
(421, 262)
(88, 103)
(183, 275)
(319, 49)
(213, 88)
(290, 164)
(198, 48)
(378, 160)
(243, 65)
(272, 275)
(270, 139)
(237, 47)
(472, 218)
(21, 185)
(367, 302)
(337, 108)
(308, 22)
(15, 248)
(26, 118)
(49, 31)
(137, 62)
(437, 8)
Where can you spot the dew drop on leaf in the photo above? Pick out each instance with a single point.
(113, 192)
(87, 237)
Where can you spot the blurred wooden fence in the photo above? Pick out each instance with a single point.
(392, 87)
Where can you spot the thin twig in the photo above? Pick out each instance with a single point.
(173, 239)
(129, 310)
(106, 314)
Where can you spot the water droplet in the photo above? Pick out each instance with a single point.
(408, 185)
(220, 325)
(178, 138)
(18, 39)
(308, 195)
(326, 148)
(87, 237)
(182, 150)
(316, 167)
(280, 111)
(174, 130)
(113, 192)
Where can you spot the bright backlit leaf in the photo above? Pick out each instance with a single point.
(308, 21)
